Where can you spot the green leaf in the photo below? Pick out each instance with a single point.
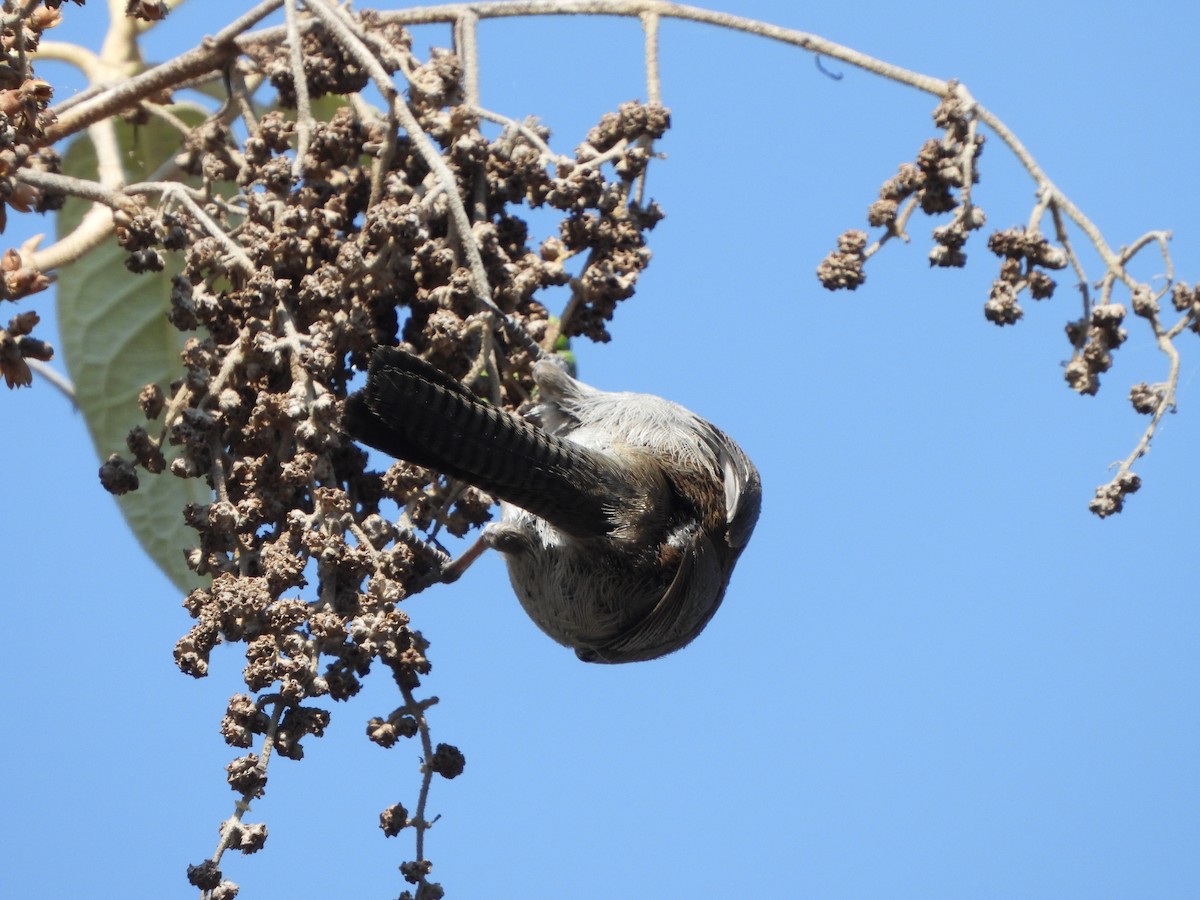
(116, 339)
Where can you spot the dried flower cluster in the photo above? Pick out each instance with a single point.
(1024, 255)
(146, 10)
(339, 235)
(940, 181)
(1184, 298)
(16, 346)
(1094, 338)
(23, 121)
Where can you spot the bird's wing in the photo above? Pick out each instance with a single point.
(686, 606)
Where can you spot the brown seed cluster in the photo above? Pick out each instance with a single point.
(1110, 498)
(937, 181)
(322, 241)
(1186, 299)
(327, 68)
(1146, 398)
(1094, 339)
(843, 268)
(447, 761)
(393, 819)
(1024, 254)
(24, 118)
(17, 345)
(146, 10)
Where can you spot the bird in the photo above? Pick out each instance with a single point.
(622, 514)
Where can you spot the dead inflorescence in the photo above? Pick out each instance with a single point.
(940, 181)
(24, 118)
(288, 284)
(937, 181)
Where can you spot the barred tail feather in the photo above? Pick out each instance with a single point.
(415, 412)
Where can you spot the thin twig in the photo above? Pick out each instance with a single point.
(450, 12)
(466, 45)
(242, 805)
(895, 229)
(1064, 239)
(547, 154)
(83, 188)
(1166, 401)
(167, 115)
(304, 115)
(416, 709)
(967, 155)
(232, 247)
(653, 84)
(56, 378)
(653, 91)
(212, 53)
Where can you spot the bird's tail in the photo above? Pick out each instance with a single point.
(415, 412)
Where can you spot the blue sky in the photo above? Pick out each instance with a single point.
(935, 674)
